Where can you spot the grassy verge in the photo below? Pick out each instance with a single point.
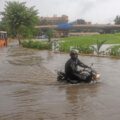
(114, 50)
(83, 43)
(36, 44)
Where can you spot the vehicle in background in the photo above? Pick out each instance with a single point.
(3, 38)
(42, 37)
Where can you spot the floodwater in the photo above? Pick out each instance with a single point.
(29, 89)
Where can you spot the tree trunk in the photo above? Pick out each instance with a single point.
(49, 39)
(19, 40)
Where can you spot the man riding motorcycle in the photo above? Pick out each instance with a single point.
(71, 67)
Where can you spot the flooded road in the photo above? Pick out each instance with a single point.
(29, 90)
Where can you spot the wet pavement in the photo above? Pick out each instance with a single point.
(29, 89)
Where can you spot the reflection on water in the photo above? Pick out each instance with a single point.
(29, 90)
(73, 92)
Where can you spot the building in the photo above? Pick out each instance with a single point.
(54, 20)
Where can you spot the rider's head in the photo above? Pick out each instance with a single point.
(74, 54)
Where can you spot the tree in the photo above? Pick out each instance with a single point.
(81, 21)
(117, 20)
(49, 34)
(99, 44)
(2, 26)
(20, 20)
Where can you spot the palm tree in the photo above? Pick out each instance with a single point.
(98, 46)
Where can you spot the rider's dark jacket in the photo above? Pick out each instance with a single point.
(71, 70)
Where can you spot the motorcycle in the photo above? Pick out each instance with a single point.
(88, 75)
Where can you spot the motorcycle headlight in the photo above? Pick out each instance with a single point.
(97, 76)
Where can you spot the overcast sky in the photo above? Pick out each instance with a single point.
(96, 11)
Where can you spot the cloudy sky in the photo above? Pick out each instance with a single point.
(96, 11)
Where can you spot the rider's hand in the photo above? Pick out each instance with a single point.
(80, 71)
(88, 67)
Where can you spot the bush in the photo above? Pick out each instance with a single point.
(114, 50)
(85, 50)
(36, 44)
(65, 46)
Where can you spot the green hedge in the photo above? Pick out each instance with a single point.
(115, 50)
(36, 44)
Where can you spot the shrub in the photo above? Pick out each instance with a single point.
(36, 44)
(114, 50)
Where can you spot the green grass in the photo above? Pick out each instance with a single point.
(82, 43)
(91, 39)
(86, 41)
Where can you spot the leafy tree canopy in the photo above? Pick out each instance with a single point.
(19, 19)
(49, 34)
(117, 20)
